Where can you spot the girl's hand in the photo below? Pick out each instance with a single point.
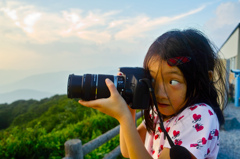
(133, 111)
(114, 106)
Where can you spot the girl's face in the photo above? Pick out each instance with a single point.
(170, 86)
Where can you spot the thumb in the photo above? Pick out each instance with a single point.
(111, 87)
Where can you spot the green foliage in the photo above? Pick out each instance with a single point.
(9, 112)
(39, 129)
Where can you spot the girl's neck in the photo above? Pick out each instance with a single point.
(165, 118)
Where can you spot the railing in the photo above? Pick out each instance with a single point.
(75, 150)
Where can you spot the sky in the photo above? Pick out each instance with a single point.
(44, 36)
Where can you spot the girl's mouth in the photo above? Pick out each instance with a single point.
(162, 105)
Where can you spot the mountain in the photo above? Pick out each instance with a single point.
(49, 82)
(35, 87)
(24, 94)
(40, 85)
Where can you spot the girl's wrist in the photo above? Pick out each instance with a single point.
(126, 117)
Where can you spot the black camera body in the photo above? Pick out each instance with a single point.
(130, 85)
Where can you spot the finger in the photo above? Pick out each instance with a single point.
(120, 74)
(111, 87)
(93, 103)
(87, 104)
(82, 102)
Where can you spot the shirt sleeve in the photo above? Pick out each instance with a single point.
(196, 129)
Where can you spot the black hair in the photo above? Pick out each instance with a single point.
(201, 88)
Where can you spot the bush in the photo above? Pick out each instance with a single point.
(37, 143)
(41, 130)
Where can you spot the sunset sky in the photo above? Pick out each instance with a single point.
(45, 36)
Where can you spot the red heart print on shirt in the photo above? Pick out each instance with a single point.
(178, 142)
(204, 141)
(210, 112)
(216, 133)
(194, 145)
(193, 107)
(198, 127)
(176, 133)
(197, 117)
(161, 147)
(159, 129)
(208, 151)
(210, 137)
(203, 105)
(180, 117)
(168, 128)
(153, 151)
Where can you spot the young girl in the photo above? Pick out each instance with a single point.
(187, 77)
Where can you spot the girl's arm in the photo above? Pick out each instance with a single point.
(116, 107)
(141, 131)
(134, 139)
(123, 146)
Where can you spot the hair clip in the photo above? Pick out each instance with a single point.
(178, 60)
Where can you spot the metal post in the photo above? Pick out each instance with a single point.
(237, 87)
(73, 149)
(237, 90)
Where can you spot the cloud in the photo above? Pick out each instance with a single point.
(91, 27)
(32, 24)
(225, 20)
(96, 26)
(10, 13)
(136, 27)
(227, 14)
(30, 21)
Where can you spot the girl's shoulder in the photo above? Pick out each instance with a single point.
(196, 112)
(200, 108)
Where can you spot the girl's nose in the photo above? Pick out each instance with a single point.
(160, 91)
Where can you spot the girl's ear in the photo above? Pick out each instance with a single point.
(210, 75)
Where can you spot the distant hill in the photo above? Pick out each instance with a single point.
(35, 87)
(49, 82)
(20, 110)
(38, 86)
(24, 94)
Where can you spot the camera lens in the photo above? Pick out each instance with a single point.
(88, 86)
(74, 89)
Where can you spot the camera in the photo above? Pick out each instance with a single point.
(130, 85)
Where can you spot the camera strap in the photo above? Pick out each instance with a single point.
(151, 90)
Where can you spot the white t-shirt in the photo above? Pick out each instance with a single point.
(196, 128)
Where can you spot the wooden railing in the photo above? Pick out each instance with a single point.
(75, 150)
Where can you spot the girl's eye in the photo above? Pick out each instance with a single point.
(174, 82)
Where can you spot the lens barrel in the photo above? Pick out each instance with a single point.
(89, 84)
(102, 89)
(88, 87)
(74, 89)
